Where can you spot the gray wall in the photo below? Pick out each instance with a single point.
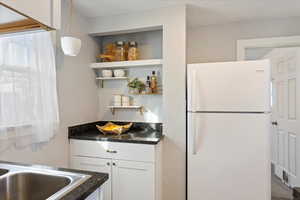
(216, 43)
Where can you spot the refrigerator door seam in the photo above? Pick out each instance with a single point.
(237, 112)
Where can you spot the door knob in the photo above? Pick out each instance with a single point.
(275, 123)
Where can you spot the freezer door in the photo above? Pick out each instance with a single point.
(228, 156)
(231, 86)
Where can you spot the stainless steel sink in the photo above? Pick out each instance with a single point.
(27, 186)
(36, 183)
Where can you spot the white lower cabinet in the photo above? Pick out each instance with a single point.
(133, 180)
(97, 165)
(97, 195)
(135, 177)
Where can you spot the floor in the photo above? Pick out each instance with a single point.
(279, 190)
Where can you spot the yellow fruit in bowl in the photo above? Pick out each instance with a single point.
(111, 128)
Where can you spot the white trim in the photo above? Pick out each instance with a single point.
(242, 45)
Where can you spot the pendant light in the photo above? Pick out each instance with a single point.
(70, 45)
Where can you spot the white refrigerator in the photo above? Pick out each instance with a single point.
(229, 131)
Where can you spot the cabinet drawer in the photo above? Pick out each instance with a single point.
(91, 164)
(89, 148)
(133, 152)
(113, 150)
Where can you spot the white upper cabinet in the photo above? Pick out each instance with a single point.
(47, 12)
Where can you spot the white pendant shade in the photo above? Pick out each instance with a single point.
(70, 45)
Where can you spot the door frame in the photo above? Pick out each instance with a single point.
(242, 45)
(273, 42)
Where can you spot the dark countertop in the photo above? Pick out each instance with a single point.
(141, 133)
(82, 191)
(296, 193)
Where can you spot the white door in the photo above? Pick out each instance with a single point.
(228, 156)
(133, 180)
(285, 64)
(230, 86)
(97, 165)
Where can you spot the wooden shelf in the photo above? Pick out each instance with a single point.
(101, 79)
(113, 108)
(127, 64)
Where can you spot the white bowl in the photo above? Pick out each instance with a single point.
(107, 73)
(119, 73)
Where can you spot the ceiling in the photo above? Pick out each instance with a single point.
(7, 15)
(200, 12)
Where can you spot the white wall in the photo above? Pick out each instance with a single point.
(173, 21)
(77, 102)
(217, 43)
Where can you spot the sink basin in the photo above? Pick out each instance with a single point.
(36, 182)
(3, 171)
(31, 186)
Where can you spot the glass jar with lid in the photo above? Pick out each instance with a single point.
(133, 52)
(120, 53)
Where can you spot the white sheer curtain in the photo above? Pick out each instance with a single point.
(28, 95)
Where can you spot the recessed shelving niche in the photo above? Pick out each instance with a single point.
(150, 48)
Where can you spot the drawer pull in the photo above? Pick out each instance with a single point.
(111, 151)
(92, 165)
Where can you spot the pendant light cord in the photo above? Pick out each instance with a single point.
(69, 27)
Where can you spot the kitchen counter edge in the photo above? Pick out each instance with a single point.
(83, 190)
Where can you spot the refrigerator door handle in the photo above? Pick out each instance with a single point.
(194, 136)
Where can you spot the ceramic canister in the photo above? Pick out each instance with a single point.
(125, 101)
(117, 100)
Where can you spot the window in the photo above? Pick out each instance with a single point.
(28, 96)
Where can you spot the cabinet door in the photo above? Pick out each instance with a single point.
(47, 12)
(97, 195)
(97, 165)
(133, 180)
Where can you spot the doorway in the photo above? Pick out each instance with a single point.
(285, 75)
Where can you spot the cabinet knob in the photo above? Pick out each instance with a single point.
(114, 164)
(108, 164)
(111, 151)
